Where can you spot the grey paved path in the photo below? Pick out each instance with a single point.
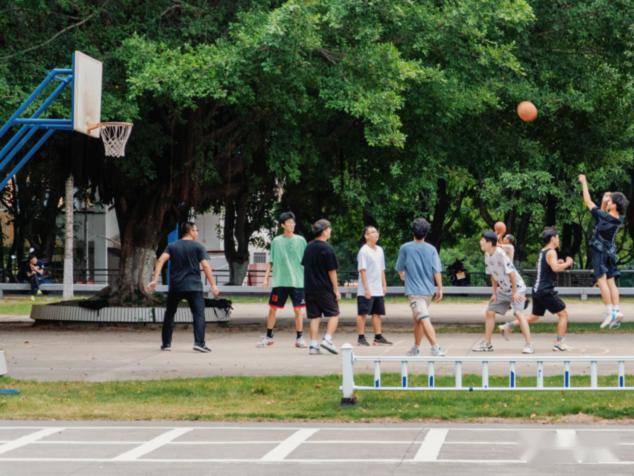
(46, 448)
(124, 354)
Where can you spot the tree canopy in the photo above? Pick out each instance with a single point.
(362, 111)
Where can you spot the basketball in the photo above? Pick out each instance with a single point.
(500, 228)
(527, 111)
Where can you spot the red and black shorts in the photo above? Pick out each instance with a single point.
(280, 295)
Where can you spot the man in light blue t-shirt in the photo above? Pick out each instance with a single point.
(419, 266)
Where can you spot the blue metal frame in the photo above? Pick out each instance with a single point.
(29, 126)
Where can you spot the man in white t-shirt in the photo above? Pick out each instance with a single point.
(509, 292)
(372, 287)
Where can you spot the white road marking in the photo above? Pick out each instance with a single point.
(152, 445)
(28, 439)
(287, 446)
(566, 438)
(431, 445)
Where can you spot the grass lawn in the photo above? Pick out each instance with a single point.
(299, 398)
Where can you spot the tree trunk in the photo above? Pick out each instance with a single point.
(140, 227)
(68, 239)
(440, 212)
(236, 239)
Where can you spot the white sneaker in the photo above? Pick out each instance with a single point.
(413, 352)
(609, 317)
(314, 350)
(437, 351)
(265, 342)
(300, 343)
(505, 331)
(528, 349)
(618, 318)
(329, 346)
(560, 346)
(482, 346)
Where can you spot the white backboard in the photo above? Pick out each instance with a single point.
(86, 93)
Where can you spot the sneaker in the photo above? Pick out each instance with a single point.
(362, 341)
(528, 349)
(314, 350)
(381, 341)
(329, 346)
(437, 351)
(505, 331)
(483, 346)
(616, 322)
(166, 348)
(202, 348)
(609, 318)
(300, 343)
(413, 352)
(560, 346)
(265, 342)
(39, 292)
(32, 298)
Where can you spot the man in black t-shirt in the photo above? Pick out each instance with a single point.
(603, 249)
(320, 287)
(186, 257)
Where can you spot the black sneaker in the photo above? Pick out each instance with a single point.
(166, 348)
(202, 348)
(381, 341)
(363, 342)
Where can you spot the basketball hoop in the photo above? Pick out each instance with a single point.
(114, 135)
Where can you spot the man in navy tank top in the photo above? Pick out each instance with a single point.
(545, 297)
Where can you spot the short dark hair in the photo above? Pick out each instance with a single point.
(187, 227)
(510, 238)
(548, 234)
(491, 237)
(320, 226)
(285, 216)
(621, 202)
(420, 228)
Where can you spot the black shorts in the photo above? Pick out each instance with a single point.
(370, 307)
(603, 263)
(280, 295)
(549, 301)
(318, 305)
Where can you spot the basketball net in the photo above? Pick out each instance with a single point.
(114, 136)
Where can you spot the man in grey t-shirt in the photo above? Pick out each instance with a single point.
(509, 292)
(419, 266)
(186, 257)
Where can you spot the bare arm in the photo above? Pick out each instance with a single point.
(494, 286)
(364, 279)
(586, 193)
(210, 277)
(557, 267)
(401, 274)
(267, 272)
(332, 274)
(384, 282)
(438, 279)
(157, 271)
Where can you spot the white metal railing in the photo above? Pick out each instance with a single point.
(349, 359)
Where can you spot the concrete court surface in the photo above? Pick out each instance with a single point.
(115, 448)
(102, 354)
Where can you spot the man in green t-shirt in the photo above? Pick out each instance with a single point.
(286, 255)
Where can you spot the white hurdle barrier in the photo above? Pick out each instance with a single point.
(348, 386)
